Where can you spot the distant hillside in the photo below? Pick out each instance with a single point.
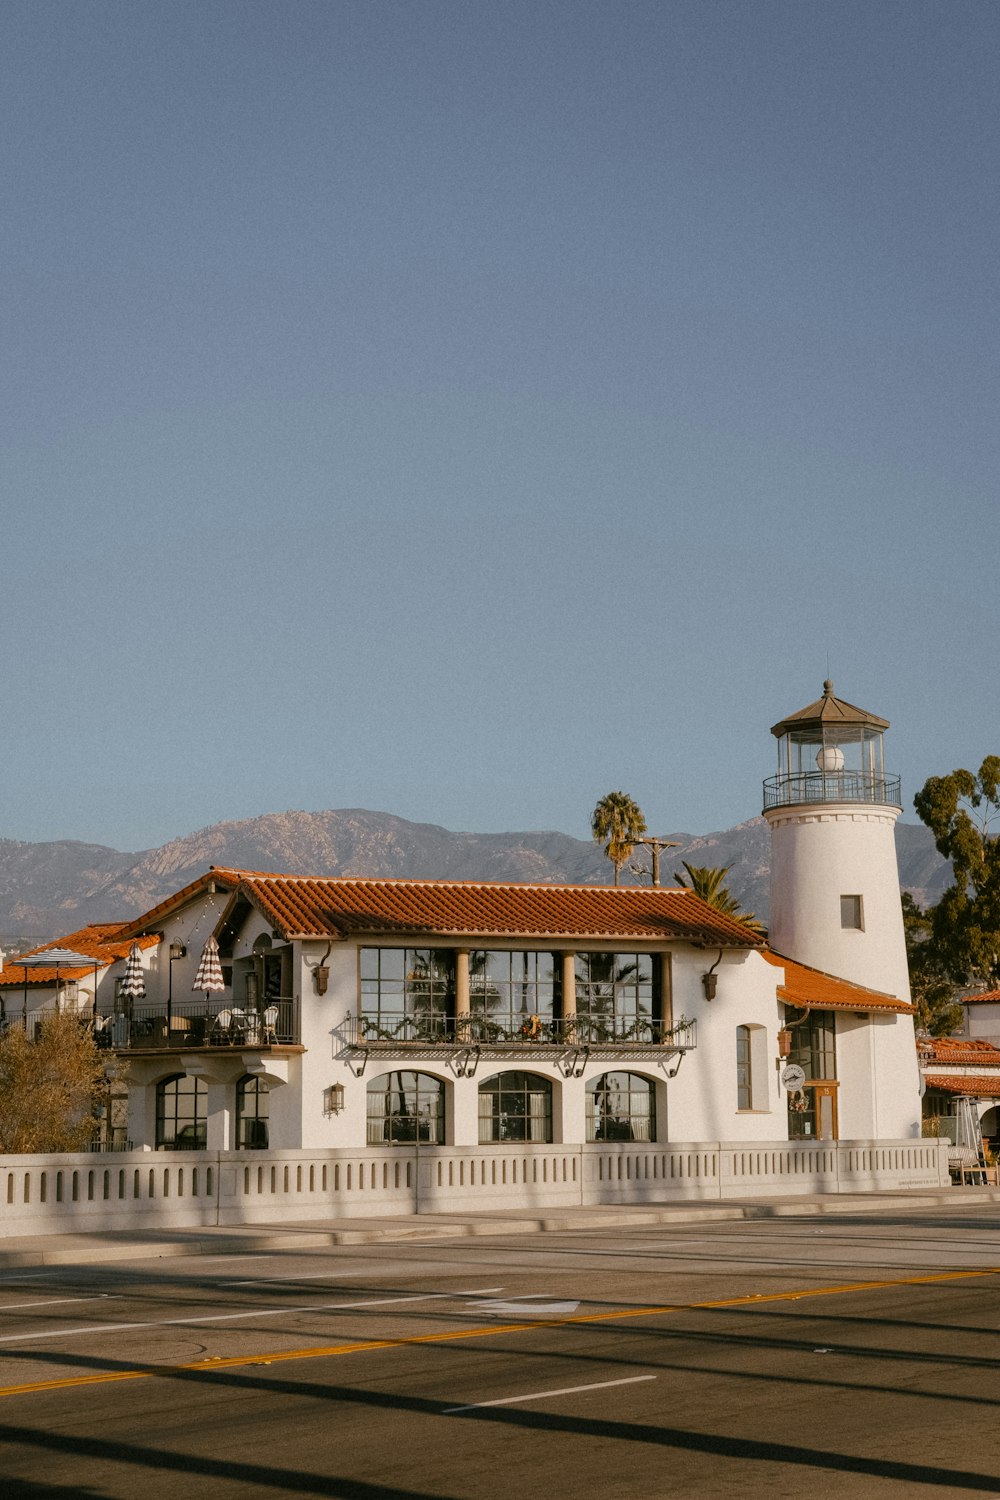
(47, 890)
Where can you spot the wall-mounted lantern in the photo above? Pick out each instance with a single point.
(333, 1099)
(710, 981)
(321, 974)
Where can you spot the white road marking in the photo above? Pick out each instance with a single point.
(58, 1302)
(227, 1317)
(566, 1390)
(244, 1255)
(303, 1276)
(526, 1307)
(37, 1275)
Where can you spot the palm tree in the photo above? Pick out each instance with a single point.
(617, 823)
(708, 882)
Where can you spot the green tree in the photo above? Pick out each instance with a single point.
(616, 823)
(933, 991)
(709, 882)
(52, 1088)
(961, 810)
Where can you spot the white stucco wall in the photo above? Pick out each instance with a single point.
(983, 1023)
(702, 1099)
(819, 854)
(879, 1094)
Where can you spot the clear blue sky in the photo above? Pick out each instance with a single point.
(466, 409)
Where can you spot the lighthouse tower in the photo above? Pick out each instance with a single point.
(831, 810)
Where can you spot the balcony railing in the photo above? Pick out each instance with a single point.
(273, 1024)
(831, 786)
(424, 1033)
(31, 1021)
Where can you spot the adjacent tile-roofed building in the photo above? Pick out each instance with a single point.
(973, 1085)
(102, 941)
(958, 1052)
(335, 908)
(812, 988)
(988, 997)
(979, 1061)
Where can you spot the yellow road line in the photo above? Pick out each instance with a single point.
(367, 1346)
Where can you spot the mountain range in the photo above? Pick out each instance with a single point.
(50, 889)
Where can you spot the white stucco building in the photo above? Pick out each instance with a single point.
(543, 1043)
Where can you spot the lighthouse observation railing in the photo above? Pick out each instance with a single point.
(831, 786)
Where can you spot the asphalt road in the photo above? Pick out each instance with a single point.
(849, 1357)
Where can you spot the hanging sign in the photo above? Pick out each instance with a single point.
(792, 1077)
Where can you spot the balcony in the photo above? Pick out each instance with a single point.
(534, 1036)
(831, 786)
(191, 1026)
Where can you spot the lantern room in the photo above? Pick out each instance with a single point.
(831, 751)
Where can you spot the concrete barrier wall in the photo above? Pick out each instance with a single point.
(166, 1189)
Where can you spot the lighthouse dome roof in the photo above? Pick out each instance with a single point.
(826, 714)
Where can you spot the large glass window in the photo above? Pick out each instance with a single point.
(814, 1049)
(616, 995)
(621, 1107)
(507, 989)
(252, 1114)
(407, 994)
(814, 1045)
(405, 1106)
(515, 1107)
(181, 1114)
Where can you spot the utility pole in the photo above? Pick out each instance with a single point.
(656, 845)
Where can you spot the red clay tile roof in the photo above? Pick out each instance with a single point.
(300, 907)
(988, 997)
(982, 1088)
(102, 940)
(958, 1051)
(804, 986)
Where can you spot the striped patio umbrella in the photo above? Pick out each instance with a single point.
(133, 985)
(209, 975)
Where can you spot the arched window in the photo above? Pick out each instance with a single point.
(515, 1107)
(181, 1114)
(621, 1107)
(252, 1113)
(405, 1106)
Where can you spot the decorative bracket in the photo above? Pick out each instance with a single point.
(357, 1060)
(466, 1062)
(573, 1063)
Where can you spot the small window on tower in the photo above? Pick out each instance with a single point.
(851, 914)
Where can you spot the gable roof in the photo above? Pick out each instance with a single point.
(338, 908)
(812, 988)
(103, 941)
(217, 875)
(988, 997)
